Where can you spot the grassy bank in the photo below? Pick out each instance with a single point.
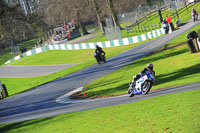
(174, 67)
(169, 113)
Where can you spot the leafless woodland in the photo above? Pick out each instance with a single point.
(25, 19)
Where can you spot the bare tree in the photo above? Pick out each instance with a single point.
(112, 13)
(80, 11)
(97, 11)
(24, 18)
(15, 24)
(27, 6)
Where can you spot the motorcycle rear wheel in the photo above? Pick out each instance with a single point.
(146, 87)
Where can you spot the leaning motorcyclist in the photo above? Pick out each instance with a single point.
(142, 73)
(98, 53)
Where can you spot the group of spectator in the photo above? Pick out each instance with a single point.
(64, 31)
(167, 23)
(58, 35)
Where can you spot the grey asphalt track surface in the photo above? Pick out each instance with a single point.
(40, 101)
(31, 71)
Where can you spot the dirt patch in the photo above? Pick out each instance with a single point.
(80, 95)
(166, 128)
(169, 47)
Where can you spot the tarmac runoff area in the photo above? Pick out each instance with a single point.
(31, 71)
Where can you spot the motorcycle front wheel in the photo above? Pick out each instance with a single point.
(130, 93)
(146, 87)
(103, 58)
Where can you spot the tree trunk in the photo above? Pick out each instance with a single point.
(113, 14)
(27, 6)
(96, 9)
(85, 32)
(12, 38)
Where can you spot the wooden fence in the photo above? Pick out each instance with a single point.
(147, 16)
(144, 28)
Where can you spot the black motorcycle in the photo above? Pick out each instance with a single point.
(100, 58)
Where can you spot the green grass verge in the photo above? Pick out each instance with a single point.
(168, 113)
(57, 57)
(5, 56)
(174, 67)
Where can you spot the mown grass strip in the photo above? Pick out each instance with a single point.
(168, 113)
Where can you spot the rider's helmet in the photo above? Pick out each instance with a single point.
(150, 66)
(97, 46)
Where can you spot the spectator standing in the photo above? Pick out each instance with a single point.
(68, 34)
(194, 13)
(168, 19)
(64, 26)
(74, 24)
(55, 38)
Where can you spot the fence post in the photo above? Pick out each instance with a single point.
(137, 23)
(160, 15)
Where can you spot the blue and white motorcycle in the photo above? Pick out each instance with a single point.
(143, 85)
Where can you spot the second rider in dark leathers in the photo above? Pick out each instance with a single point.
(98, 53)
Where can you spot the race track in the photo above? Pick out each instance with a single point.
(40, 102)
